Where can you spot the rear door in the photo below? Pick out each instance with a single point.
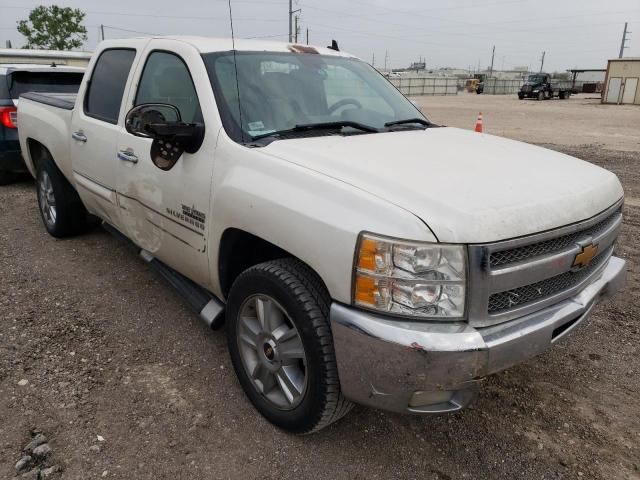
(165, 211)
(95, 126)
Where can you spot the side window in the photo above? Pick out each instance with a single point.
(166, 79)
(108, 80)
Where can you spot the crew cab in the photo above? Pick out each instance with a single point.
(16, 79)
(355, 251)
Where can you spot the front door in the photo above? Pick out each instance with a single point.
(165, 211)
(95, 129)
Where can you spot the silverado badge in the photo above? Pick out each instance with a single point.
(585, 256)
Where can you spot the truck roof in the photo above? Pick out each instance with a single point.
(213, 44)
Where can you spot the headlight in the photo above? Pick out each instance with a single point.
(410, 278)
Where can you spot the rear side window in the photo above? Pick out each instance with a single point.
(106, 87)
(166, 79)
(50, 82)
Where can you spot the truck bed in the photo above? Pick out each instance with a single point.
(65, 101)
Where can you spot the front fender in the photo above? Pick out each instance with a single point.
(312, 216)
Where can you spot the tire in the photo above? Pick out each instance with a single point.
(540, 96)
(61, 209)
(298, 301)
(520, 97)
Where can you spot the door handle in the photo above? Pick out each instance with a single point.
(79, 136)
(127, 156)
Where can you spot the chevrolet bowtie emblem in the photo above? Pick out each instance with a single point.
(585, 256)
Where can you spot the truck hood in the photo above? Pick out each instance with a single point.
(467, 187)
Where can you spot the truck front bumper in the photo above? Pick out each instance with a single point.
(427, 367)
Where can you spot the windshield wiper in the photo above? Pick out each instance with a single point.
(421, 121)
(320, 126)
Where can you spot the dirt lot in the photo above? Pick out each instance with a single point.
(109, 350)
(578, 121)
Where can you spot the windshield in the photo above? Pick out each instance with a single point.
(536, 79)
(50, 82)
(279, 91)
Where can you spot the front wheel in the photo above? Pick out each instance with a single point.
(540, 96)
(281, 346)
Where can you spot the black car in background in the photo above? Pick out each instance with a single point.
(16, 79)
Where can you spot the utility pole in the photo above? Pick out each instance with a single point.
(296, 29)
(493, 53)
(291, 14)
(373, 59)
(542, 61)
(386, 59)
(623, 44)
(307, 36)
(290, 20)
(101, 32)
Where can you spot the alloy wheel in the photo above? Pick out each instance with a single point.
(272, 352)
(47, 199)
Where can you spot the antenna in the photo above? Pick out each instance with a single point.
(235, 67)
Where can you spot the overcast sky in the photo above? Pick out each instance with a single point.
(458, 33)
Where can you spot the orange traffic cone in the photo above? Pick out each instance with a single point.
(479, 123)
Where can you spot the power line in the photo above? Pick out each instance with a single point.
(130, 31)
(184, 17)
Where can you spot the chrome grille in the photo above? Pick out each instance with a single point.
(513, 278)
(517, 297)
(553, 245)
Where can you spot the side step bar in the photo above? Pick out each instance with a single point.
(210, 309)
(206, 305)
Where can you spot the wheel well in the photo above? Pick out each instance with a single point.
(240, 250)
(37, 152)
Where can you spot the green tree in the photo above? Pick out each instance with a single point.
(54, 28)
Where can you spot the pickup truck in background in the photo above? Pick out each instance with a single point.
(16, 79)
(542, 87)
(355, 251)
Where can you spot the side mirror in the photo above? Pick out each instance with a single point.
(171, 136)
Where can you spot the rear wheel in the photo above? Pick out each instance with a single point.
(61, 209)
(281, 346)
(540, 96)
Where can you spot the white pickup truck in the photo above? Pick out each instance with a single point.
(357, 252)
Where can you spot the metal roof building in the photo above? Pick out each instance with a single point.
(622, 83)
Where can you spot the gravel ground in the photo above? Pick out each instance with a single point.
(103, 358)
(581, 120)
